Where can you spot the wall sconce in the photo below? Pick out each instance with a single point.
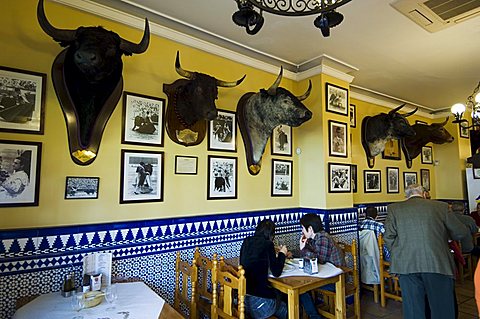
(473, 103)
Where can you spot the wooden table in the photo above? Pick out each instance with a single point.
(295, 286)
(168, 312)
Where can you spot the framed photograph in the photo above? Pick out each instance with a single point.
(372, 182)
(186, 165)
(19, 173)
(81, 187)
(464, 131)
(427, 155)
(282, 178)
(393, 180)
(22, 101)
(222, 177)
(281, 140)
(222, 132)
(476, 173)
(141, 176)
(425, 178)
(392, 150)
(143, 119)
(353, 115)
(421, 122)
(337, 99)
(409, 178)
(339, 178)
(337, 135)
(353, 177)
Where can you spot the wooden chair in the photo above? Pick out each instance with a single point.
(185, 299)
(229, 290)
(352, 287)
(389, 284)
(465, 270)
(204, 283)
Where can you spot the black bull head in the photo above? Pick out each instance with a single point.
(380, 128)
(87, 77)
(424, 134)
(259, 113)
(191, 103)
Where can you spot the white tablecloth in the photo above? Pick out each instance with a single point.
(135, 299)
(291, 268)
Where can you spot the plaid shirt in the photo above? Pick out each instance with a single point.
(371, 224)
(324, 248)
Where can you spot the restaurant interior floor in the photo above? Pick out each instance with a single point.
(467, 308)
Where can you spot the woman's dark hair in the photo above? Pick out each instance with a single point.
(313, 220)
(266, 229)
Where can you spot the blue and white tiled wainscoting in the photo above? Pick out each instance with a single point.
(34, 261)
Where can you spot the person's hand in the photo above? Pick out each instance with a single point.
(303, 240)
(283, 249)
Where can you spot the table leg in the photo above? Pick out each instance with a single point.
(293, 304)
(340, 308)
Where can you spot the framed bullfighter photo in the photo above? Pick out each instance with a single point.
(19, 173)
(81, 187)
(372, 181)
(427, 155)
(409, 178)
(425, 178)
(353, 115)
(282, 177)
(22, 101)
(339, 178)
(337, 99)
(337, 135)
(353, 177)
(281, 140)
(142, 176)
(222, 177)
(222, 132)
(393, 180)
(143, 119)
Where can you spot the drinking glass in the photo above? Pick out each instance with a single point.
(78, 303)
(111, 294)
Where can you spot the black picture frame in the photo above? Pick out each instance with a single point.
(141, 183)
(354, 178)
(336, 99)
(222, 132)
(463, 130)
(409, 178)
(337, 136)
(79, 187)
(427, 155)
(22, 93)
(425, 178)
(339, 178)
(372, 181)
(281, 140)
(186, 165)
(282, 178)
(353, 115)
(143, 119)
(392, 150)
(20, 171)
(222, 177)
(393, 180)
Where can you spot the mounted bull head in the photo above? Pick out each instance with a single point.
(378, 129)
(424, 134)
(259, 113)
(191, 103)
(87, 77)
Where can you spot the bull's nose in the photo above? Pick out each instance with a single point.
(308, 114)
(85, 57)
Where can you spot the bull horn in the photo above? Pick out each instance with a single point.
(134, 48)
(230, 84)
(306, 94)
(180, 71)
(273, 89)
(59, 35)
(443, 123)
(410, 113)
(395, 110)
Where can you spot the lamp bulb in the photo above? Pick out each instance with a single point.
(458, 108)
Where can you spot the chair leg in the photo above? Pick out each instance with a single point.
(375, 293)
(382, 293)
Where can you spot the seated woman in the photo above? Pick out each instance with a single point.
(257, 255)
(476, 215)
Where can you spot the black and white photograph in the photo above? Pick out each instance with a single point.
(409, 178)
(393, 180)
(282, 177)
(81, 187)
(222, 177)
(464, 130)
(22, 101)
(186, 165)
(372, 181)
(339, 178)
(353, 177)
(337, 99)
(222, 132)
(337, 135)
(19, 173)
(142, 176)
(427, 155)
(281, 140)
(353, 115)
(425, 178)
(476, 173)
(143, 119)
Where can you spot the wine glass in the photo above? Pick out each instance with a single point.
(77, 302)
(111, 294)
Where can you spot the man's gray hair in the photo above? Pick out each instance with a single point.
(414, 190)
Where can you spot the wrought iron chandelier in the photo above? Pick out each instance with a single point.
(252, 21)
(473, 103)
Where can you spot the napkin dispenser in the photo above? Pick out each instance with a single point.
(310, 265)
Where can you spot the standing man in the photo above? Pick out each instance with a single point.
(417, 233)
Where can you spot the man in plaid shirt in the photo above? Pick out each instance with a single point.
(370, 223)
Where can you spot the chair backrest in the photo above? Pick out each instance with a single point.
(383, 262)
(205, 267)
(185, 276)
(351, 251)
(229, 290)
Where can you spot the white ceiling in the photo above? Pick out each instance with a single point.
(393, 55)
